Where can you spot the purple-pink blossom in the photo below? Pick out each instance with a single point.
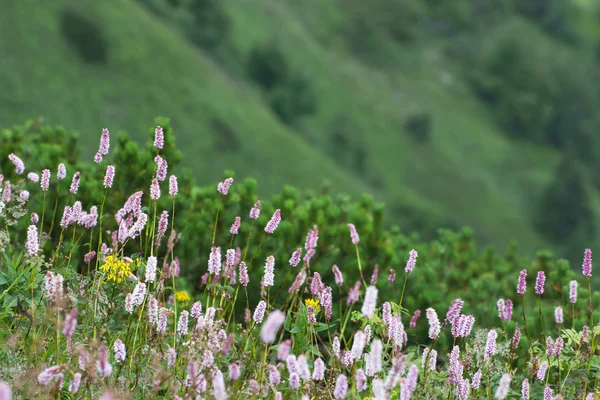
(312, 238)
(375, 275)
(235, 226)
(163, 223)
(32, 240)
(413, 320)
(154, 190)
(104, 142)
(541, 372)
(454, 310)
(434, 323)
(61, 172)
(243, 274)
(274, 375)
(318, 370)
(259, 312)
(361, 380)
(337, 274)
(525, 389)
(161, 168)
(255, 211)
(549, 347)
(516, 338)
(74, 183)
(296, 256)
(490, 345)
(558, 346)
(182, 324)
(73, 386)
(5, 391)
(368, 308)
(539, 283)
(503, 387)
(70, 323)
(214, 261)
(273, 222)
(573, 292)
(341, 387)
(548, 395)
(269, 278)
(45, 182)
(109, 176)
(326, 299)
(353, 293)
(522, 282)
(18, 163)
(353, 234)
(587, 263)
(6, 193)
(412, 260)
(223, 187)
(119, 351)
(173, 186)
(558, 315)
(33, 177)
(392, 276)
(159, 137)
(66, 218)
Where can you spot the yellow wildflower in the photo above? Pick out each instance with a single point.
(182, 296)
(314, 303)
(117, 270)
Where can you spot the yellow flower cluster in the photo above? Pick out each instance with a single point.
(116, 269)
(314, 303)
(182, 296)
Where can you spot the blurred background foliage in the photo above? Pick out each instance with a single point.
(477, 113)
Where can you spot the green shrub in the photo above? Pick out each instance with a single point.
(84, 36)
(268, 67)
(536, 94)
(290, 94)
(565, 212)
(418, 126)
(212, 26)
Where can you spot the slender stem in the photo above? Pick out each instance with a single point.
(55, 208)
(541, 318)
(525, 320)
(360, 266)
(593, 338)
(42, 220)
(135, 335)
(216, 221)
(591, 306)
(403, 288)
(100, 229)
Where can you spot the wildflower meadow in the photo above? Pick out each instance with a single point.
(120, 278)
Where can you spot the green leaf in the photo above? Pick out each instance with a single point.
(10, 301)
(296, 329)
(288, 322)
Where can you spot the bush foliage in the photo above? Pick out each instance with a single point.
(64, 305)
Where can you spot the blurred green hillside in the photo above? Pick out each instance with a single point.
(470, 112)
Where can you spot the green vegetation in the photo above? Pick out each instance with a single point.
(143, 286)
(452, 114)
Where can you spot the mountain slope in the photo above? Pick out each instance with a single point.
(149, 71)
(467, 172)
